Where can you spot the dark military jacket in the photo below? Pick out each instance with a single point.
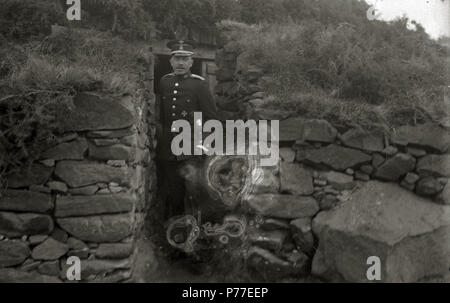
(181, 96)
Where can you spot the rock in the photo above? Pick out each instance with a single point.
(9, 275)
(87, 112)
(37, 174)
(427, 136)
(367, 169)
(73, 206)
(340, 181)
(77, 174)
(106, 228)
(57, 186)
(320, 182)
(274, 224)
(287, 154)
(50, 268)
(73, 150)
(272, 240)
(428, 186)
(302, 235)
(377, 160)
(416, 152)
(283, 206)
(434, 165)
(50, 249)
(327, 202)
(114, 250)
(411, 178)
(40, 188)
(337, 157)
(118, 133)
(104, 191)
(13, 253)
(444, 196)
(101, 267)
(384, 220)
(116, 163)
(407, 185)
(395, 167)
(359, 175)
(84, 191)
(114, 152)
(319, 131)
(293, 129)
(350, 171)
(23, 200)
(272, 268)
(29, 265)
(389, 150)
(74, 243)
(295, 179)
(36, 239)
(80, 253)
(365, 140)
(266, 182)
(67, 137)
(59, 235)
(105, 142)
(17, 225)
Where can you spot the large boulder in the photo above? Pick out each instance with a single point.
(409, 234)
(80, 173)
(24, 200)
(283, 206)
(87, 112)
(106, 228)
(335, 156)
(428, 136)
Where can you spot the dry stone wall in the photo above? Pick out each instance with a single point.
(87, 195)
(341, 194)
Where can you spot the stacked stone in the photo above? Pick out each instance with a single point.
(320, 170)
(239, 90)
(85, 197)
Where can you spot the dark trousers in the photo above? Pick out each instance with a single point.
(171, 187)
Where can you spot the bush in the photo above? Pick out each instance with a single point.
(363, 63)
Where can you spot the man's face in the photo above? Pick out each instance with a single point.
(181, 64)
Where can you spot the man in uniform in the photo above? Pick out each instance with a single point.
(182, 94)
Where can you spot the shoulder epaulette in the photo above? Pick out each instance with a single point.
(197, 77)
(168, 75)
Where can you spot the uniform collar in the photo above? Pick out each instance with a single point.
(184, 76)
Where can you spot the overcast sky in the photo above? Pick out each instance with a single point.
(434, 15)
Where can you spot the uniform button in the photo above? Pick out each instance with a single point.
(176, 84)
(188, 100)
(173, 114)
(173, 106)
(175, 91)
(174, 99)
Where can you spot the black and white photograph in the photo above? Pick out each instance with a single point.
(210, 144)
